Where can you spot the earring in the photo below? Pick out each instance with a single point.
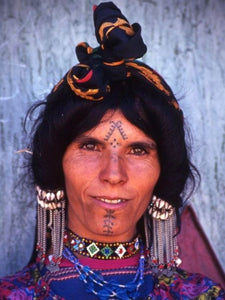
(160, 235)
(50, 219)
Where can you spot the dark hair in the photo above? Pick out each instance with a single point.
(65, 116)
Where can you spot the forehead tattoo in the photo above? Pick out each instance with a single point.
(113, 126)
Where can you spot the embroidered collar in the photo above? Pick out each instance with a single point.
(99, 250)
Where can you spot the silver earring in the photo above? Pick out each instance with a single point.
(160, 221)
(50, 218)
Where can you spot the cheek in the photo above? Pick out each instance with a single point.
(146, 174)
(79, 174)
(72, 175)
(74, 167)
(145, 182)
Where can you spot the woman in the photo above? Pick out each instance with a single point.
(110, 164)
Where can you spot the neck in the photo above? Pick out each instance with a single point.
(110, 237)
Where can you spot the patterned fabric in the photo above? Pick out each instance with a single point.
(31, 283)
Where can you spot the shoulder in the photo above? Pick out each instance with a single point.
(26, 284)
(19, 285)
(184, 285)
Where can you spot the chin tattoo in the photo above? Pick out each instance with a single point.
(108, 222)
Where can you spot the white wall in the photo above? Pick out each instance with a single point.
(185, 44)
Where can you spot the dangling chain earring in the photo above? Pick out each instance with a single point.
(50, 217)
(162, 246)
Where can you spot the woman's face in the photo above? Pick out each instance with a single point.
(110, 173)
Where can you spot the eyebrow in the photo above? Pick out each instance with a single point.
(85, 138)
(148, 145)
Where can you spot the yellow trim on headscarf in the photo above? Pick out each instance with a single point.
(124, 25)
(87, 94)
(57, 85)
(114, 63)
(154, 78)
(150, 76)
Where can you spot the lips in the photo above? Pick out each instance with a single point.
(111, 201)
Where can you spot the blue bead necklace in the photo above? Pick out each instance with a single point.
(108, 289)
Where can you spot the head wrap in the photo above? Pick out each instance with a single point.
(114, 60)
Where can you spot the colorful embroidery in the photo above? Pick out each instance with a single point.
(92, 249)
(107, 251)
(120, 250)
(99, 250)
(29, 284)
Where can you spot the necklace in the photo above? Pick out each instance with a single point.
(108, 289)
(99, 250)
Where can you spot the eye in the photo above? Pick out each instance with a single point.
(142, 148)
(90, 146)
(137, 150)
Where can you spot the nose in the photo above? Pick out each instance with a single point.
(113, 170)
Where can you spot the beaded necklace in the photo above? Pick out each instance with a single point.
(108, 289)
(99, 250)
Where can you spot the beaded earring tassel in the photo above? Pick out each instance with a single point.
(163, 254)
(51, 218)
